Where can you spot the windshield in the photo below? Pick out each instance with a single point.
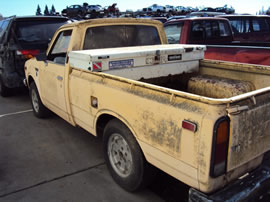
(37, 31)
(120, 36)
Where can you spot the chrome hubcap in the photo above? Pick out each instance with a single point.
(35, 101)
(120, 155)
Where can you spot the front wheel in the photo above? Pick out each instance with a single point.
(39, 109)
(124, 157)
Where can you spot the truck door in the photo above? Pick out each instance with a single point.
(52, 79)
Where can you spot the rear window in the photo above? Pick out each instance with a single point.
(173, 32)
(36, 31)
(120, 36)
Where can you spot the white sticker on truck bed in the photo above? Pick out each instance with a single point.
(121, 64)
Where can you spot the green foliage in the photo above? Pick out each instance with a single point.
(46, 11)
(52, 11)
(38, 12)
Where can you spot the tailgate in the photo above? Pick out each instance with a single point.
(250, 129)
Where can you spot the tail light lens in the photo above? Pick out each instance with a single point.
(220, 147)
(28, 53)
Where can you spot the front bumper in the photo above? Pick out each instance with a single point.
(249, 188)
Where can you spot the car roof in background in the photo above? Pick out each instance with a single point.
(35, 17)
(245, 15)
(197, 18)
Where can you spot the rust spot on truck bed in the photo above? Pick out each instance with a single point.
(162, 133)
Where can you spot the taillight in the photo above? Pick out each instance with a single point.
(220, 147)
(28, 53)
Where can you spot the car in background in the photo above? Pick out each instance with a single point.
(112, 10)
(157, 8)
(176, 17)
(226, 9)
(250, 28)
(75, 11)
(204, 14)
(169, 8)
(94, 9)
(22, 38)
(191, 9)
(180, 9)
(208, 9)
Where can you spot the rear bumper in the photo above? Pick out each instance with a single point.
(249, 188)
(12, 80)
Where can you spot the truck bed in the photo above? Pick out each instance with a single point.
(176, 67)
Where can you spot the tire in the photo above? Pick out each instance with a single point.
(124, 157)
(39, 109)
(4, 91)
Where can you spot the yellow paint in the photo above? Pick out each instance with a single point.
(154, 114)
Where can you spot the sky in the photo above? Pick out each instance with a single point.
(28, 7)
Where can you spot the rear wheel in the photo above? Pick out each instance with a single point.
(39, 109)
(124, 157)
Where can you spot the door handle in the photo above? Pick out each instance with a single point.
(60, 78)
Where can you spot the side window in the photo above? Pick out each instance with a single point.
(240, 25)
(3, 27)
(59, 49)
(173, 32)
(260, 25)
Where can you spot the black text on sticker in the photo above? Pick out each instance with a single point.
(174, 57)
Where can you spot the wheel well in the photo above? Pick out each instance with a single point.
(102, 122)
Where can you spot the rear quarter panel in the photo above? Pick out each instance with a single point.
(154, 117)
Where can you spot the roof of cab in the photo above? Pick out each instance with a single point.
(114, 20)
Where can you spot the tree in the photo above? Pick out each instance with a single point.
(38, 12)
(52, 11)
(46, 11)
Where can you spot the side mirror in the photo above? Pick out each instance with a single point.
(41, 57)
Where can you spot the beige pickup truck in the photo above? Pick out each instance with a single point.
(204, 122)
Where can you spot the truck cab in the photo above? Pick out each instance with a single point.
(203, 30)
